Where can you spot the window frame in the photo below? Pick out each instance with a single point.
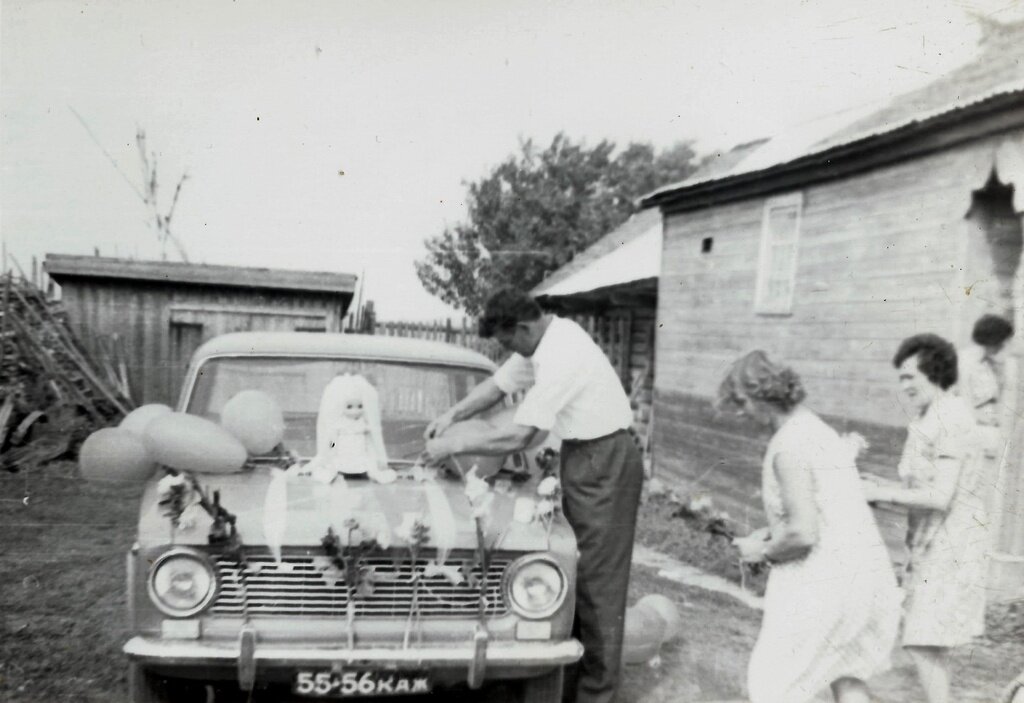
(762, 305)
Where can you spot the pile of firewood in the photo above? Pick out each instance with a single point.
(53, 392)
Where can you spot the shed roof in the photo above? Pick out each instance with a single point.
(631, 252)
(994, 74)
(63, 266)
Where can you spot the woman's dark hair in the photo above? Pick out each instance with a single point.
(936, 358)
(991, 331)
(506, 308)
(758, 377)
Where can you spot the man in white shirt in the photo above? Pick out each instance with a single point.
(572, 391)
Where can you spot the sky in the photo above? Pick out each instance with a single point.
(339, 136)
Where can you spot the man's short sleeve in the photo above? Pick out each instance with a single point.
(516, 374)
(556, 384)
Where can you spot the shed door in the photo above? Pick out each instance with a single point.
(191, 324)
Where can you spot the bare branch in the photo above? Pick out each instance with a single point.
(110, 158)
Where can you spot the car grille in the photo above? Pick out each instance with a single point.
(310, 585)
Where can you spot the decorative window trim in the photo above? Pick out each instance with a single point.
(762, 304)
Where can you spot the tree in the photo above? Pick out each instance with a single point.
(538, 209)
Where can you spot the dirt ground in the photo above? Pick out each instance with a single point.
(62, 607)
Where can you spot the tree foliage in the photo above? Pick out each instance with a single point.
(536, 210)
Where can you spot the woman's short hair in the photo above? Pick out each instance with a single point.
(757, 377)
(506, 308)
(936, 358)
(991, 331)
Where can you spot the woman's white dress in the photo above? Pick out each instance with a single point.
(834, 613)
(945, 579)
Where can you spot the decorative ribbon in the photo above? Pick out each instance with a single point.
(275, 513)
(442, 520)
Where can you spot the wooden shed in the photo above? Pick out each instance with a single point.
(611, 289)
(162, 311)
(828, 245)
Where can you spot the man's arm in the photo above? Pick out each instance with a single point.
(480, 398)
(485, 439)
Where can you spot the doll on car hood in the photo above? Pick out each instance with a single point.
(349, 440)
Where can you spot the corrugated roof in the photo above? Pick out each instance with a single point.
(996, 70)
(363, 346)
(631, 252)
(60, 266)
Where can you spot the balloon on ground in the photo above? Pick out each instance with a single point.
(669, 612)
(115, 454)
(644, 633)
(255, 419)
(192, 443)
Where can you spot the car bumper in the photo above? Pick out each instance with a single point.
(472, 661)
(181, 653)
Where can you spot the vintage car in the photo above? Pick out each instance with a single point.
(349, 605)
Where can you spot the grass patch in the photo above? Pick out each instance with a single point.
(701, 537)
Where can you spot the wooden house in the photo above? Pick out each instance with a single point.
(611, 288)
(160, 312)
(828, 245)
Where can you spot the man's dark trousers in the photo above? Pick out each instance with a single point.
(601, 483)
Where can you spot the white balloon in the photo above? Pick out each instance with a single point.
(666, 608)
(115, 454)
(192, 443)
(255, 418)
(644, 633)
(137, 419)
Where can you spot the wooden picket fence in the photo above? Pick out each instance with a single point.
(462, 333)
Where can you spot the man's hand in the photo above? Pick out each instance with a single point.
(441, 423)
(439, 448)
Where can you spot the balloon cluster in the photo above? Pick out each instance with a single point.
(650, 623)
(251, 423)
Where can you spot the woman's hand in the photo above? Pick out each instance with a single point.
(873, 491)
(752, 547)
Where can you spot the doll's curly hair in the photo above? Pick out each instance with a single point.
(757, 377)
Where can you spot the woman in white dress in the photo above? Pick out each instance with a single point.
(832, 605)
(947, 530)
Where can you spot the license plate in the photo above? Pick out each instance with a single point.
(343, 684)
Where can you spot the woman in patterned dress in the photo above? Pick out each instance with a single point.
(832, 605)
(947, 531)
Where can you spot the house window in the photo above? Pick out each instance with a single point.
(706, 245)
(776, 270)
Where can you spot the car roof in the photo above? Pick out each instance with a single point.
(344, 345)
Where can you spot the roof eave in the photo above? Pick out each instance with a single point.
(994, 115)
(61, 267)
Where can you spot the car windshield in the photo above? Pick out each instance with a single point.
(411, 394)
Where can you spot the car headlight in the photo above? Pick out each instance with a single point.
(535, 586)
(181, 583)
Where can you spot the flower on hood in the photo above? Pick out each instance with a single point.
(383, 538)
(548, 487)
(451, 572)
(476, 487)
(412, 530)
(545, 508)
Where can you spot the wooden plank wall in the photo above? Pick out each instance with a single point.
(140, 314)
(877, 262)
(626, 335)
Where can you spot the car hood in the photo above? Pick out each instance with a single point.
(297, 512)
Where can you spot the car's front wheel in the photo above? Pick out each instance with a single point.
(146, 687)
(543, 689)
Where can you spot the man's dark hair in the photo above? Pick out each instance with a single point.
(506, 308)
(936, 358)
(991, 331)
